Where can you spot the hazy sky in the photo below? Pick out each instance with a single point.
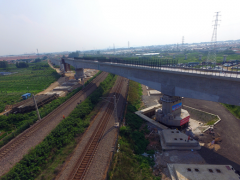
(69, 25)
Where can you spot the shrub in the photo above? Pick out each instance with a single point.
(32, 163)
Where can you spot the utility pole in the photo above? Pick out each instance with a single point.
(83, 82)
(116, 123)
(182, 41)
(37, 53)
(34, 101)
(211, 58)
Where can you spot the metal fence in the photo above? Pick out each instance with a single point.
(168, 65)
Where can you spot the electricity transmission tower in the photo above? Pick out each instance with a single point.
(211, 58)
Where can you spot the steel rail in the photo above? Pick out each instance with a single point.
(6, 149)
(84, 161)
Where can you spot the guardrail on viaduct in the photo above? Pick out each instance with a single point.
(211, 85)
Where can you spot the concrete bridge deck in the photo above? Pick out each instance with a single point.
(211, 85)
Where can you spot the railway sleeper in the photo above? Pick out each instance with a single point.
(77, 177)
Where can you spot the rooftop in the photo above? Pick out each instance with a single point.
(201, 172)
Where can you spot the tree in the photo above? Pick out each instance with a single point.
(228, 52)
(37, 60)
(3, 64)
(74, 54)
(22, 65)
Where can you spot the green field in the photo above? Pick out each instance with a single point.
(235, 110)
(45, 157)
(194, 57)
(34, 79)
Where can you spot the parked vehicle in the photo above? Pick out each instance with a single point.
(26, 96)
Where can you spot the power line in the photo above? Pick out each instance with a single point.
(37, 53)
(212, 50)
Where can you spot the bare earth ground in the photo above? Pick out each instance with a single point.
(16, 155)
(149, 100)
(173, 156)
(228, 129)
(53, 85)
(225, 152)
(57, 69)
(164, 157)
(68, 165)
(101, 160)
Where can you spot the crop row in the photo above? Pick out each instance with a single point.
(34, 162)
(24, 81)
(24, 121)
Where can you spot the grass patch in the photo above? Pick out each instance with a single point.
(14, 124)
(39, 158)
(54, 166)
(201, 116)
(34, 79)
(212, 121)
(129, 166)
(128, 163)
(235, 110)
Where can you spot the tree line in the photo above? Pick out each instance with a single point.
(33, 163)
(3, 64)
(22, 65)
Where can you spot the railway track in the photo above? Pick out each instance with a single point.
(6, 149)
(84, 161)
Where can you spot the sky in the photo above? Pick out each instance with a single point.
(70, 25)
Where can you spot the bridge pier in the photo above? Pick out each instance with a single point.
(171, 113)
(65, 66)
(205, 84)
(79, 73)
(61, 66)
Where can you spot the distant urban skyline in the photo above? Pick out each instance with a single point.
(111, 48)
(57, 25)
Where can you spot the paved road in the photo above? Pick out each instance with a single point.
(229, 130)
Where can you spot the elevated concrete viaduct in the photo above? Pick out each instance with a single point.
(170, 82)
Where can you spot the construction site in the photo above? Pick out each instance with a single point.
(187, 139)
(184, 150)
